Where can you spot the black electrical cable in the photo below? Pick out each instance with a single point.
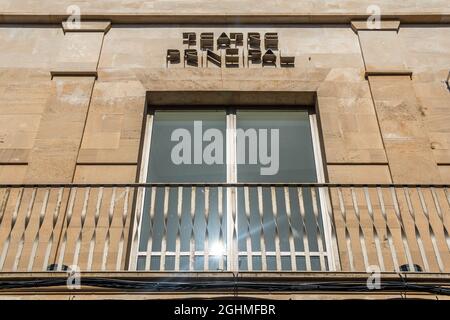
(173, 286)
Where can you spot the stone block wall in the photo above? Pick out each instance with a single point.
(72, 104)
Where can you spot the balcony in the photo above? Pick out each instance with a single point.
(197, 232)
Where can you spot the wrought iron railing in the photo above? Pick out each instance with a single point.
(218, 227)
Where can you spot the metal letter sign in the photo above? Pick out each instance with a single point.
(230, 51)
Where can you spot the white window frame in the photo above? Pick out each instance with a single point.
(232, 250)
(323, 196)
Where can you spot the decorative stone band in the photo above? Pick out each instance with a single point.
(371, 73)
(87, 26)
(384, 25)
(72, 73)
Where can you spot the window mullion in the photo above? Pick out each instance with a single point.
(232, 259)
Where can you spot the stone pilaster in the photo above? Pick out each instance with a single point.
(398, 110)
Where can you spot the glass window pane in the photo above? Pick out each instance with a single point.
(174, 220)
(293, 146)
(179, 126)
(264, 222)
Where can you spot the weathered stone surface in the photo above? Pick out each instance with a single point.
(30, 48)
(23, 95)
(407, 143)
(57, 143)
(359, 174)
(12, 173)
(114, 124)
(349, 124)
(105, 173)
(445, 172)
(79, 51)
(430, 64)
(382, 50)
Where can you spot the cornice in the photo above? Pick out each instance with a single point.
(204, 18)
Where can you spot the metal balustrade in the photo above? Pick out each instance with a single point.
(225, 227)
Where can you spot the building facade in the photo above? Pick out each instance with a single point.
(355, 95)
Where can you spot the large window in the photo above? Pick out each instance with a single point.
(218, 202)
